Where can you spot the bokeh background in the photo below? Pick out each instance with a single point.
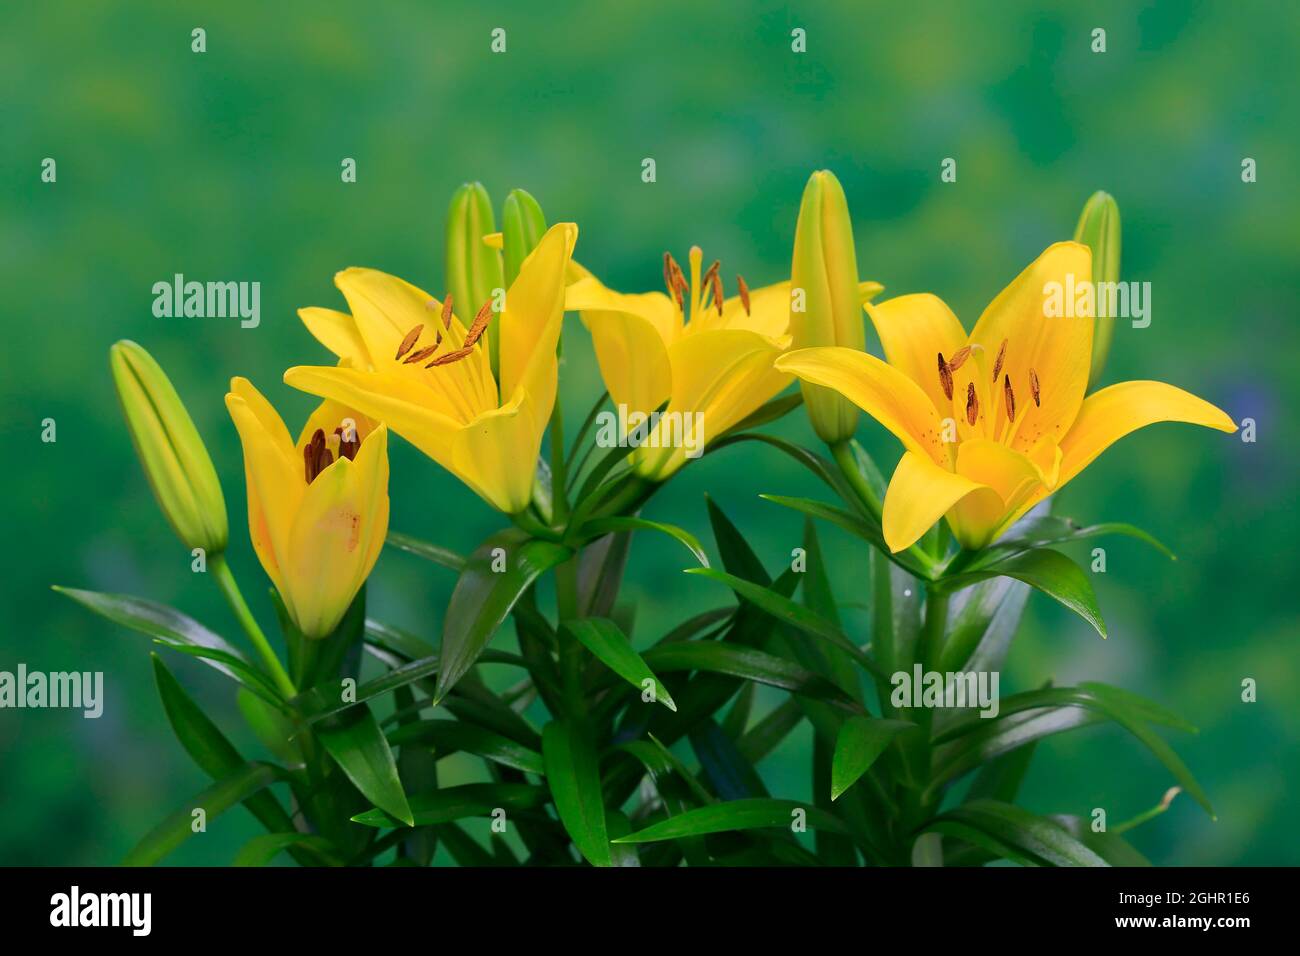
(226, 165)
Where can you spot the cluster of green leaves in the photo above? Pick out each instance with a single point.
(653, 756)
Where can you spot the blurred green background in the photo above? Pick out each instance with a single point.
(226, 166)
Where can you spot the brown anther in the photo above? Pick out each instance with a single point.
(450, 357)
(309, 462)
(717, 291)
(480, 323)
(412, 337)
(446, 314)
(668, 272)
(348, 448)
(316, 456)
(997, 362)
(972, 404)
(421, 355)
(945, 377)
(709, 273)
(1010, 397)
(1033, 388)
(959, 358)
(744, 292)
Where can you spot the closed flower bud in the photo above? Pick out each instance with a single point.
(824, 282)
(522, 228)
(169, 447)
(472, 268)
(1099, 229)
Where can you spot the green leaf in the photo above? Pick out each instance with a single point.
(731, 775)
(262, 849)
(573, 774)
(358, 746)
(752, 814)
(1046, 530)
(855, 524)
(1044, 570)
(457, 803)
(441, 556)
(234, 788)
(746, 663)
(175, 630)
(762, 738)
(483, 597)
(451, 736)
(597, 527)
(860, 742)
(790, 612)
(611, 647)
(1016, 833)
(209, 747)
(1108, 845)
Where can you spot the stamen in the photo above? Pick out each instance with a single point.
(669, 265)
(348, 449)
(421, 355)
(997, 363)
(972, 404)
(959, 358)
(446, 314)
(717, 291)
(412, 337)
(744, 292)
(480, 323)
(1033, 388)
(316, 457)
(308, 460)
(1010, 397)
(450, 357)
(945, 377)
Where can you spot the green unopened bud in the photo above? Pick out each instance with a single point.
(169, 447)
(472, 268)
(825, 303)
(522, 227)
(1099, 229)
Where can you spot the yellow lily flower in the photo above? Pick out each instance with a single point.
(996, 421)
(407, 359)
(709, 357)
(317, 510)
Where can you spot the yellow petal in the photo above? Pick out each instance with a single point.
(921, 492)
(632, 357)
(530, 321)
(589, 297)
(718, 377)
(330, 415)
(978, 519)
(1118, 410)
(399, 401)
(769, 311)
(914, 330)
(336, 536)
(879, 389)
(337, 332)
(496, 454)
(1058, 348)
(275, 477)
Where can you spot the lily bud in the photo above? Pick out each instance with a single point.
(472, 269)
(169, 447)
(522, 227)
(826, 305)
(1099, 229)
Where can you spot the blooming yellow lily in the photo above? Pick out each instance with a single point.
(709, 357)
(996, 421)
(407, 359)
(317, 510)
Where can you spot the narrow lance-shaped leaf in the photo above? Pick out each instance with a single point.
(611, 647)
(358, 746)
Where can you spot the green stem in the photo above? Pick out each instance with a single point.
(932, 631)
(566, 596)
(842, 452)
(226, 581)
(559, 494)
